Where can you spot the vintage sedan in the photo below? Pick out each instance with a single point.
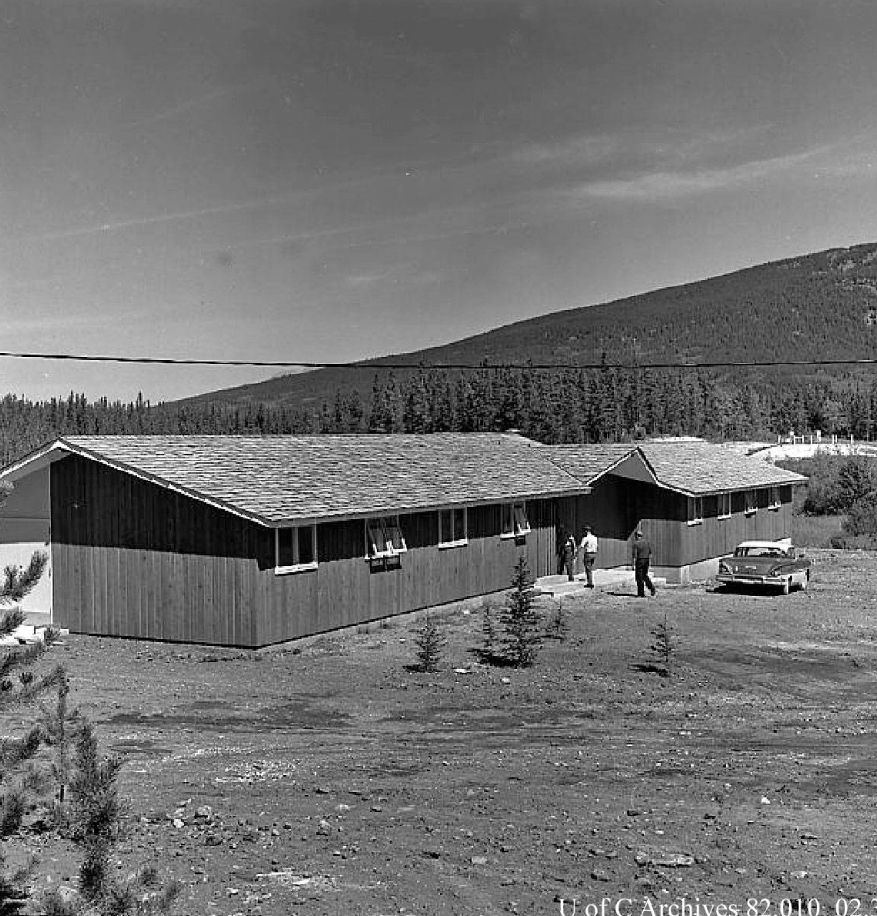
(772, 564)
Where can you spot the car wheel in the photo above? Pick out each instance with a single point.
(787, 585)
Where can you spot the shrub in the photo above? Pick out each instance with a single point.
(854, 542)
(862, 518)
(836, 482)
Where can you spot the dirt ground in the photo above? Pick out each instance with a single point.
(329, 778)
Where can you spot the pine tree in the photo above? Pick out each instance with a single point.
(384, 416)
(429, 642)
(416, 410)
(520, 621)
(21, 687)
(36, 783)
(443, 402)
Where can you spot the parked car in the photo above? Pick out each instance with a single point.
(774, 564)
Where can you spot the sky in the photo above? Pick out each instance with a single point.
(282, 180)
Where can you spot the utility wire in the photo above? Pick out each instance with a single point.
(380, 363)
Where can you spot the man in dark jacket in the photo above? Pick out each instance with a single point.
(568, 555)
(641, 555)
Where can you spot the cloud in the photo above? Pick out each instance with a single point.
(365, 280)
(160, 219)
(180, 216)
(413, 278)
(673, 148)
(571, 151)
(188, 105)
(670, 184)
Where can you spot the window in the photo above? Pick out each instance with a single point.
(695, 510)
(295, 549)
(513, 520)
(724, 505)
(384, 537)
(453, 528)
(749, 503)
(773, 499)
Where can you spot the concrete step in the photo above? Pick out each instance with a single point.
(604, 579)
(27, 634)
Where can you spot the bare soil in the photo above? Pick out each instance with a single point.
(328, 777)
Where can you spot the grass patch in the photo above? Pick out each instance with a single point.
(815, 530)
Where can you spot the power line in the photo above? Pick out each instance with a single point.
(380, 363)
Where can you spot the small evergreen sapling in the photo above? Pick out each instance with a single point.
(520, 621)
(430, 643)
(663, 647)
(488, 634)
(96, 824)
(557, 626)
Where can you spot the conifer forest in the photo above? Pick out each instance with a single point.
(562, 405)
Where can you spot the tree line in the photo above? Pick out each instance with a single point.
(563, 405)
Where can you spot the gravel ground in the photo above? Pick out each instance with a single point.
(329, 777)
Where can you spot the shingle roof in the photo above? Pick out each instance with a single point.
(704, 467)
(276, 479)
(688, 466)
(588, 462)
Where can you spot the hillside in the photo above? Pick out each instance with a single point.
(817, 306)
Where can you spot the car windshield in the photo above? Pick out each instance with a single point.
(760, 551)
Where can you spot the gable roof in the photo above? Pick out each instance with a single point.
(692, 467)
(277, 480)
(588, 462)
(701, 468)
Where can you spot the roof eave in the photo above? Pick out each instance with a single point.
(713, 491)
(378, 511)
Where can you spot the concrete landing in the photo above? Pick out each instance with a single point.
(31, 631)
(622, 580)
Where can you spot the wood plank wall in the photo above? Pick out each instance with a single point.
(132, 559)
(135, 559)
(346, 589)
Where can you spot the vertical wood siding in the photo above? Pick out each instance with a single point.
(135, 559)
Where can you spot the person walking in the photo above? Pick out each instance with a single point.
(588, 546)
(641, 556)
(569, 555)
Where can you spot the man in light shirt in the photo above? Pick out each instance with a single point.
(588, 547)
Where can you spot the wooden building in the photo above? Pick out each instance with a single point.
(694, 500)
(249, 541)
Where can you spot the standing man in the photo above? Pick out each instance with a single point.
(569, 555)
(589, 547)
(641, 555)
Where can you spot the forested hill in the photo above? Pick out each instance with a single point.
(814, 307)
(819, 307)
